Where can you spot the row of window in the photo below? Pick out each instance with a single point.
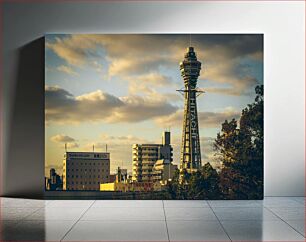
(77, 176)
(87, 188)
(94, 170)
(86, 164)
(81, 183)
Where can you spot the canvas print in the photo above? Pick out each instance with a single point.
(154, 116)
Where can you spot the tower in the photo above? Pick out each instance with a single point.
(190, 147)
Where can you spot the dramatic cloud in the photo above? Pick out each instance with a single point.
(206, 119)
(62, 107)
(222, 56)
(60, 138)
(68, 70)
(69, 141)
(148, 83)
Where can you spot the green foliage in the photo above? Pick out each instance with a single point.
(241, 152)
(202, 184)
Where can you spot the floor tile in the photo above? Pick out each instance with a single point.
(38, 230)
(244, 214)
(298, 225)
(131, 213)
(196, 231)
(261, 231)
(70, 203)
(127, 203)
(189, 214)
(281, 202)
(185, 204)
(57, 214)
(22, 203)
(16, 213)
(235, 203)
(300, 200)
(118, 231)
(289, 213)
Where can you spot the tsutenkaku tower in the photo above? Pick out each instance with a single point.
(190, 148)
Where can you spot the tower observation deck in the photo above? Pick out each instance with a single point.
(190, 148)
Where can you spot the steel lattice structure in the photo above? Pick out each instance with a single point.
(190, 148)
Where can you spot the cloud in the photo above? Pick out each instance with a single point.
(148, 83)
(68, 70)
(62, 107)
(60, 138)
(136, 55)
(206, 119)
(69, 141)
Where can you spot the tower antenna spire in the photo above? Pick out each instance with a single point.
(190, 148)
(190, 40)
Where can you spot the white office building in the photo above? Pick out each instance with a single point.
(85, 170)
(146, 155)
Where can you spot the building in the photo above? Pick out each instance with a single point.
(190, 147)
(124, 184)
(163, 171)
(85, 170)
(54, 182)
(146, 155)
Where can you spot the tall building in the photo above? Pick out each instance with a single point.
(85, 170)
(190, 148)
(163, 171)
(54, 182)
(146, 155)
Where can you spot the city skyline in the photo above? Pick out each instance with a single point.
(120, 90)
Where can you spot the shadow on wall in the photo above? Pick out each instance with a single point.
(25, 158)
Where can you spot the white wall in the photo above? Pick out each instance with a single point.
(283, 25)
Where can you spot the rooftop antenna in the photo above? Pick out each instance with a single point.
(65, 147)
(189, 40)
(106, 148)
(93, 148)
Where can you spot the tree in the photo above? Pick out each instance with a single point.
(202, 184)
(241, 152)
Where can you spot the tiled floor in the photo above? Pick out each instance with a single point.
(274, 219)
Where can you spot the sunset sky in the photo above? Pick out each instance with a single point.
(121, 89)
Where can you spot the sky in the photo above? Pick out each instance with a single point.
(121, 89)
